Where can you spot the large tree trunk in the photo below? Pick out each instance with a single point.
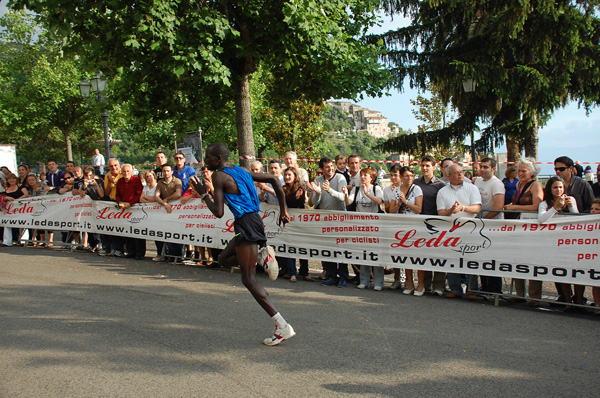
(530, 140)
(513, 150)
(243, 119)
(69, 145)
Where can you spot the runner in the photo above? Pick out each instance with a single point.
(236, 186)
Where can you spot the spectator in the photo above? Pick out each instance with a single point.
(54, 177)
(290, 158)
(98, 162)
(68, 236)
(69, 167)
(12, 192)
(468, 175)
(368, 200)
(430, 185)
(129, 191)
(584, 196)
(354, 165)
(295, 198)
(34, 188)
(410, 201)
(168, 189)
(596, 185)
(341, 167)
(556, 201)
(510, 182)
(257, 167)
(589, 174)
(92, 186)
(23, 171)
(327, 194)
(267, 193)
(596, 289)
(149, 191)
(52, 184)
(458, 199)
(182, 172)
(161, 159)
(111, 245)
(492, 198)
(528, 196)
(576, 186)
(444, 169)
(69, 182)
(476, 170)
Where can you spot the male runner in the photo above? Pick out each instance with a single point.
(236, 186)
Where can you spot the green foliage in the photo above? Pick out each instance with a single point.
(353, 142)
(527, 57)
(40, 106)
(180, 60)
(335, 119)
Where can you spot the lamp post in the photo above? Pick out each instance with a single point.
(98, 85)
(469, 86)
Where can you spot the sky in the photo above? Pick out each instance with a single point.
(570, 132)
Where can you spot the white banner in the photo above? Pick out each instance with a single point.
(565, 250)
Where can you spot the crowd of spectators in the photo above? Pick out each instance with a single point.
(342, 184)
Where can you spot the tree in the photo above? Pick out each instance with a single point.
(434, 115)
(527, 58)
(179, 59)
(41, 108)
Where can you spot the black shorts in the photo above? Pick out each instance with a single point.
(250, 228)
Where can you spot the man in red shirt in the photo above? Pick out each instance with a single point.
(129, 190)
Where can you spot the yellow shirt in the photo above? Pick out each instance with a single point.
(111, 186)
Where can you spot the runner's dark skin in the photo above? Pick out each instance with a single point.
(244, 254)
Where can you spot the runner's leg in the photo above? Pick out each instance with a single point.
(247, 253)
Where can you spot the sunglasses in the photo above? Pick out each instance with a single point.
(178, 157)
(561, 169)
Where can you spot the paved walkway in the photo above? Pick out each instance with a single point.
(80, 325)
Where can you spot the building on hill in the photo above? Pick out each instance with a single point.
(365, 119)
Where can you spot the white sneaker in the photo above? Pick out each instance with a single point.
(268, 262)
(438, 292)
(280, 335)
(396, 285)
(158, 258)
(377, 288)
(361, 286)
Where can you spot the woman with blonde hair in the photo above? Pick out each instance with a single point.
(528, 196)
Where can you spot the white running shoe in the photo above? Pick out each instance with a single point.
(268, 262)
(280, 335)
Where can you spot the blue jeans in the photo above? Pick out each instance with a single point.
(365, 275)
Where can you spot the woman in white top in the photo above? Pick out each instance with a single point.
(148, 194)
(557, 202)
(410, 201)
(368, 199)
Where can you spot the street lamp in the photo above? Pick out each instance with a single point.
(98, 85)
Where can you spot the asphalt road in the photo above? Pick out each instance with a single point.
(80, 325)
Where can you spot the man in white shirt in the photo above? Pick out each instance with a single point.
(458, 199)
(354, 166)
(492, 197)
(98, 162)
(290, 158)
(267, 191)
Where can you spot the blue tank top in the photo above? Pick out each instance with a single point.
(247, 200)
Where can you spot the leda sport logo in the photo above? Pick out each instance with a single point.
(462, 235)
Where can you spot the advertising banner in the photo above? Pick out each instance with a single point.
(566, 249)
